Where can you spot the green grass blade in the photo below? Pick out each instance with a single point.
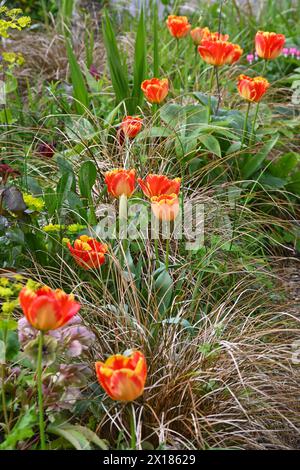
(118, 72)
(155, 42)
(80, 92)
(140, 61)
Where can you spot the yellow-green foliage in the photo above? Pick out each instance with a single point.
(12, 19)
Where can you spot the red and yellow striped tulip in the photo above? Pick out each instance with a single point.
(123, 378)
(217, 52)
(88, 252)
(269, 45)
(178, 26)
(252, 89)
(131, 126)
(155, 89)
(156, 185)
(165, 207)
(47, 309)
(120, 182)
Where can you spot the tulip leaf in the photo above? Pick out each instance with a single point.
(87, 177)
(282, 167)
(254, 162)
(79, 436)
(164, 289)
(211, 143)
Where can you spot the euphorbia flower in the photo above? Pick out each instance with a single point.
(165, 207)
(47, 309)
(217, 52)
(252, 89)
(155, 89)
(269, 45)
(131, 126)
(88, 252)
(156, 185)
(123, 378)
(178, 26)
(120, 182)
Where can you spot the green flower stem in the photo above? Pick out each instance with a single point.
(245, 125)
(209, 96)
(254, 122)
(123, 220)
(132, 429)
(156, 252)
(3, 392)
(40, 391)
(167, 253)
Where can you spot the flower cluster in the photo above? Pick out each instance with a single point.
(34, 204)
(9, 291)
(12, 20)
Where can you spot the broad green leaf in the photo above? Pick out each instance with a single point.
(164, 290)
(282, 167)
(22, 430)
(294, 183)
(254, 162)
(87, 177)
(79, 436)
(211, 143)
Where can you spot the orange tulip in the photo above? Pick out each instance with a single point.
(120, 182)
(178, 26)
(88, 252)
(155, 89)
(156, 185)
(123, 378)
(217, 52)
(252, 89)
(165, 207)
(198, 34)
(47, 309)
(131, 126)
(269, 45)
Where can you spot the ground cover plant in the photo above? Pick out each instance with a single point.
(149, 225)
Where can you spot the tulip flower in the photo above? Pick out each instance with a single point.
(131, 126)
(217, 52)
(165, 207)
(252, 89)
(123, 378)
(155, 89)
(156, 185)
(178, 26)
(198, 34)
(269, 45)
(88, 252)
(120, 182)
(47, 309)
